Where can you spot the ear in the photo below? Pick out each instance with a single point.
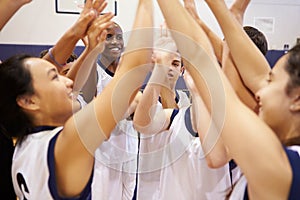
(28, 102)
(295, 104)
(182, 69)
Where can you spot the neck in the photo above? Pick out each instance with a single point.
(109, 64)
(291, 134)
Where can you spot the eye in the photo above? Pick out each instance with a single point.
(175, 64)
(108, 37)
(55, 77)
(119, 37)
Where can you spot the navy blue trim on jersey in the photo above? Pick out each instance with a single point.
(109, 72)
(105, 69)
(42, 128)
(232, 166)
(294, 159)
(176, 96)
(188, 122)
(174, 113)
(85, 194)
(246, 196)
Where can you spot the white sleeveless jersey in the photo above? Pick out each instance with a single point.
(30, 169)
(103, 79)
(183, 100)
(173, 166)
(116, 163)
(115, 159)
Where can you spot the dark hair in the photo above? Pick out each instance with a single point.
(258, 38)
(72, 57)
(292, 67)
(15, 81)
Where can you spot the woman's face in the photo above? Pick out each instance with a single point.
(53, 92)
(274, 103)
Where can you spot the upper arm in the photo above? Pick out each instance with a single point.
(257, 151)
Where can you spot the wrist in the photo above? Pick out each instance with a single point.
(52, 58)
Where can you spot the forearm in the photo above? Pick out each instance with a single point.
(77, 64)
(148, 108)
(229, 69)
(8, 8)
(216, 153)
(250, 63)
(89, 89)
(62, 50)
(134, 65)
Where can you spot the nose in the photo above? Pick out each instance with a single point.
(67, 81)
(114, 40)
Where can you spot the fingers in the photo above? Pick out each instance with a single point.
(100, 8)
(97, 30)
(81, 25)
(88, 4)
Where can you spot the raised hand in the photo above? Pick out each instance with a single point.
(238, 9)
(90, 11)
(97, 31)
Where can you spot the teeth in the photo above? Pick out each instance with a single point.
(115, 49)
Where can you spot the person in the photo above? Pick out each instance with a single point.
(116, 158)
(115, 161)
(69, 62)
(7, 9)
(107, 63)
(169, 143)
(6, 152)
(238, 9)
(169, 96)
(245, 135)
(64, 147)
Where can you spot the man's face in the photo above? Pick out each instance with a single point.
(114, 43)
(171, 60)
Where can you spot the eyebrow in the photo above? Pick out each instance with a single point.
(50, 71)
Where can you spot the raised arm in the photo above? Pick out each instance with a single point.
(243, 133)
(216, 42)
(216, 154)
(149, 116)
(88, 128)
(8, 8)
(238, 10)
(81, 69)
(251, 64)
(61, 51)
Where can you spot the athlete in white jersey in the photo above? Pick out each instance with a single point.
(41, 165)
(257, 145)
(115, 159)
(71, 151)
(172, 163)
